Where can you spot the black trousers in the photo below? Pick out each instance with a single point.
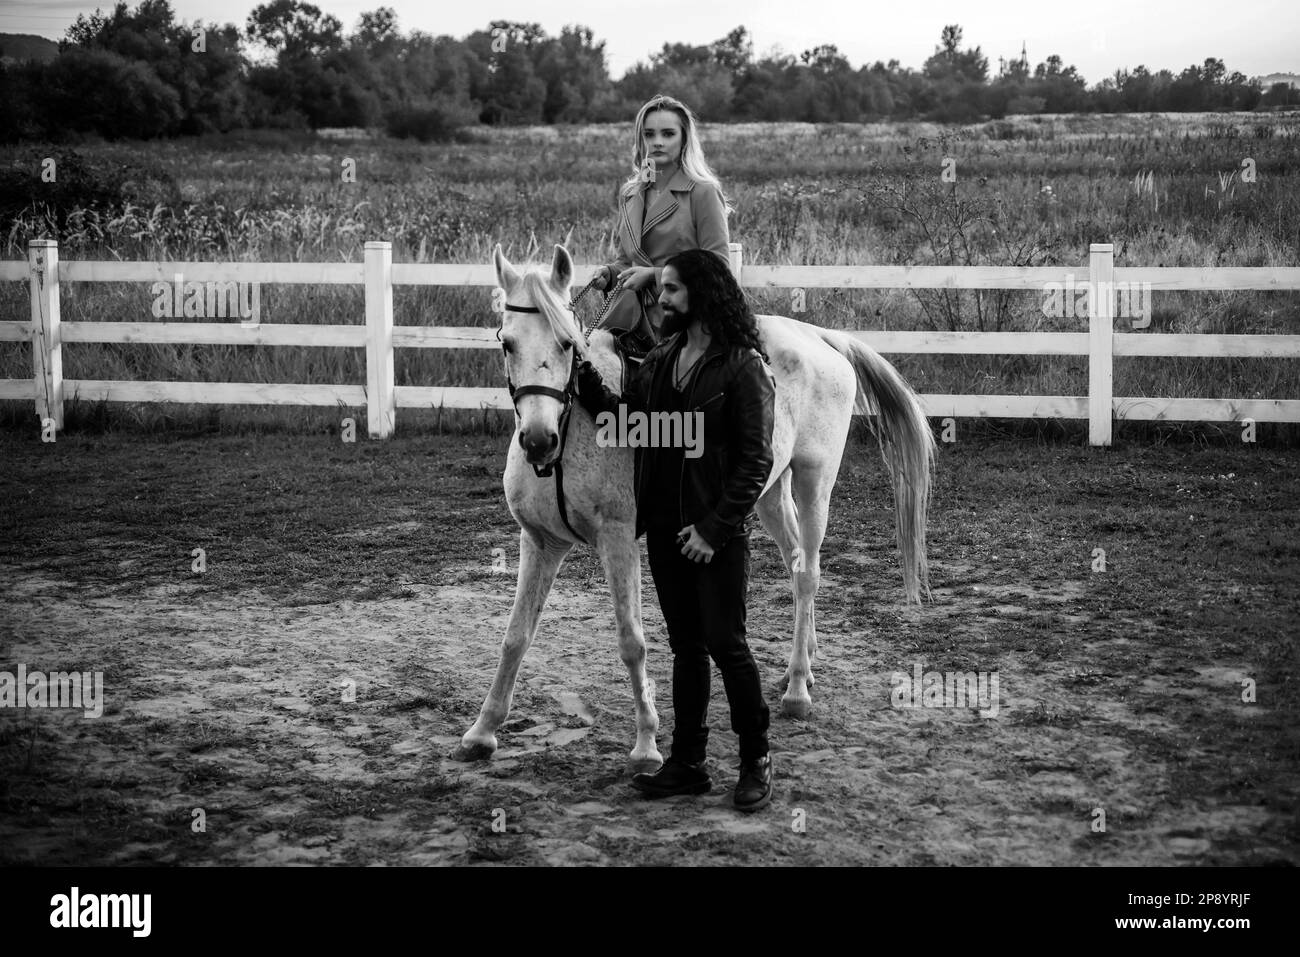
(703, 605)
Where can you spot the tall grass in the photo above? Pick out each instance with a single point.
(1166, 190)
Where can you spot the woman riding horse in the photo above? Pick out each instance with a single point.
(682, 207)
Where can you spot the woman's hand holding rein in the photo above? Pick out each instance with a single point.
(638, 276)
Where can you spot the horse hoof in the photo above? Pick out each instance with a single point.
(646, 765)
(472, 752)
(796, 708)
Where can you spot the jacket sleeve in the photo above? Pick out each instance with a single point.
(624, 260)
(750, 414)
(711, 230)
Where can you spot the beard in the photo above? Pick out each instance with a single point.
(673, 323)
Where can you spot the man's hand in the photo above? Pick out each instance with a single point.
(593, 394)
(638, 276)
(695, 548)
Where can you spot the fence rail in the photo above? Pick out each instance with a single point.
(44, 272)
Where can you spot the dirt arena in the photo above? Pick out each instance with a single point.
(1121, 692)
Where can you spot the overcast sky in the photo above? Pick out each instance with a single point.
(1257, 37)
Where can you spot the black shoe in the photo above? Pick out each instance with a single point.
(675, 777)
(754, 789)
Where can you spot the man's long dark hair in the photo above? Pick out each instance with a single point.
(716, 298)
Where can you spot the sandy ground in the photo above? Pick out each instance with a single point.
(233, 703)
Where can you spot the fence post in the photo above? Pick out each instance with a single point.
(736, 259)
(47, 338)
(1101, 323)
(381, 407)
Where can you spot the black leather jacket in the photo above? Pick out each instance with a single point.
(736, 392)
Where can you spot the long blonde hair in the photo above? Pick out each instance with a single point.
(692, 159)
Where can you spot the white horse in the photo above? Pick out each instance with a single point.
(822, 377)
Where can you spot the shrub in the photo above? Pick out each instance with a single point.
(1026, 104)
(81, 183)
(95, 90)
(430, 122)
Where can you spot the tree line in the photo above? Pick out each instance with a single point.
(142, 74)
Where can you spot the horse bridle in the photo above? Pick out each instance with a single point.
(565, 398)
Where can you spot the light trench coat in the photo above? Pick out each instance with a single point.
(690, 215)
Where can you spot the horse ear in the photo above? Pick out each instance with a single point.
(561, 270)
(507, 276)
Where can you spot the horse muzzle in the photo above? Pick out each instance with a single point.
(541, 445)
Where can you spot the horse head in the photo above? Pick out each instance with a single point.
(543, 343)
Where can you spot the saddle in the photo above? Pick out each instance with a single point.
(633, 344)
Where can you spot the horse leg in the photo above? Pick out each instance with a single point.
(622, 563)
(538, 566)
(812, 490)
(777, 512)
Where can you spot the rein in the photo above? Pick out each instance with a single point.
(604, 309)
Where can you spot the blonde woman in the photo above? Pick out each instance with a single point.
(672, 202)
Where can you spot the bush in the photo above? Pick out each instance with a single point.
(1026, 104)
(81, 183)
(99, 91)
(21, 115)
(1011, 130)
(957, 110)
(431, 122)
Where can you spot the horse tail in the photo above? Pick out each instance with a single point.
(906, 445)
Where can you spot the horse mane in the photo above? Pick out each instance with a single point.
(564, 324)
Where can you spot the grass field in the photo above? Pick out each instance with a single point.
(1166, 190)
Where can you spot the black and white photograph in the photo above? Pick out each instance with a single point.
(574, 434)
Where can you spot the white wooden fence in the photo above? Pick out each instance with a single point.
(379, 274)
